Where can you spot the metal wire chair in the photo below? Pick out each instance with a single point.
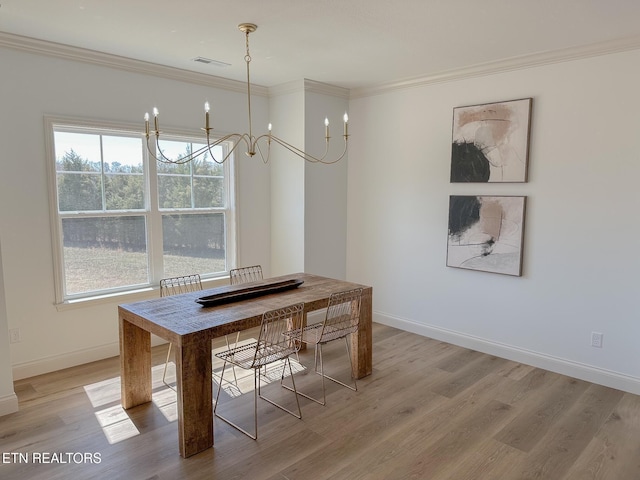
(245, 274)
(341, 320)
(271, 346)
(241, 275)
(175, 286)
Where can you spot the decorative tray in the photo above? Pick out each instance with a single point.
(248, 292)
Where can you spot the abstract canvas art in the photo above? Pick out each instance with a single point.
(491, 142)
(486, 233)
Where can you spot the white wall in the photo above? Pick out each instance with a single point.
(325, 239)
(308, 200)
(581, 258)
(286, 108)
(34, 85)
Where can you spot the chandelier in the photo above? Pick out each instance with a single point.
(254, 144)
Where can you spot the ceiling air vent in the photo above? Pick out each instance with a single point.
(209, 61)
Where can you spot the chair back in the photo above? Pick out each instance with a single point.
(273, 344)
(245, 274)
(343, 315)
(183, 284)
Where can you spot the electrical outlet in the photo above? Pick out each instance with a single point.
(14, 335)
(596, 339)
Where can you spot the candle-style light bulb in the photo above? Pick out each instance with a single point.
(326, 127)
(206, 107)
(155, 119)
(269, 128)
(346, 123)
(146, 123)
(206, 116)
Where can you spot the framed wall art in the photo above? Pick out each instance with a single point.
(490, 142)
(486, 233)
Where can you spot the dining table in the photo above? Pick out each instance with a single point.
(190, 321)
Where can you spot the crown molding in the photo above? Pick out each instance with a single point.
(326, 89)
(67, 52)
(36, 46)
(506, 65)
(306, 85)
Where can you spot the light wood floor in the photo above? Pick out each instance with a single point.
(429, 411)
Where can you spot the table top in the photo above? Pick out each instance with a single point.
(180, 320)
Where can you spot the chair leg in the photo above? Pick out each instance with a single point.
(226, 338)
(253, 436)
(294, 390)
(315, 368)
(318, 359)
(164, 373)
(256, 393)
(355, 385)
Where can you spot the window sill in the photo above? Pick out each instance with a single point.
(128, 296)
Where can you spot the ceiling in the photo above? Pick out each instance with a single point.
(348, 43)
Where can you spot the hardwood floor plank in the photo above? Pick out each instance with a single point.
(570, 435)
(614, 452)
(528, 428)
(392, 416)
(491, 460)
(469, 374)
(459, 359)
(530, 388)
(426, 428)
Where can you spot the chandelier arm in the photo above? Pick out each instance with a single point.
(162, 158)
(306, 156)
(210, 145)
(257, 146)
(299, 152)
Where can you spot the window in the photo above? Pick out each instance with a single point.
(123, 222)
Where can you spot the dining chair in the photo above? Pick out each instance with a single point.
(238, 276)
(175, 286)
(341, 320)
(271, 346)
(245, 274)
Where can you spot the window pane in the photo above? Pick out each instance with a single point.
(193, 244)
(122, 154)
(122, 163)
(77, 152)
(104, 253)
(205, 165)
(175, 150)
(174, 191)
(79, 191)
(124, 191)
(174, 180)
(208, 192)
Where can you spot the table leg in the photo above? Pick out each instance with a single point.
(135, 364)
(362, 340)
(195, 408)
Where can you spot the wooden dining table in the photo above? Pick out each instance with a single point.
(191, 327)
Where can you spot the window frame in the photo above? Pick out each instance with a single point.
(151, 212)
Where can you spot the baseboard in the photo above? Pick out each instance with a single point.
(8, 404)
(563, 366)
(71, 359)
